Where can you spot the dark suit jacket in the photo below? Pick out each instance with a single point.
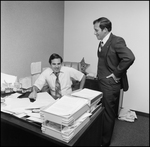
(119, 58)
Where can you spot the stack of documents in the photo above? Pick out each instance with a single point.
(7, 82)
(65, 117)
(23, 107)
(92, 96)
(127, 115)
(65, 133)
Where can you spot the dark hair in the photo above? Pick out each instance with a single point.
(104, 23)
(55, 56)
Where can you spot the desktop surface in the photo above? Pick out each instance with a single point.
(19, 131)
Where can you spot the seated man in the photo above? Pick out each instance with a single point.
(58, 78)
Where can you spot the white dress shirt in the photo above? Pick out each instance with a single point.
(106, 38)
(66, 73)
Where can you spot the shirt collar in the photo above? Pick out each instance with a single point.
(61, 71)
(106, 38)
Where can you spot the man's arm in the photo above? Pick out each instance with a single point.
(82, 82)
(126, 57)
(38, 85)
(33, 94)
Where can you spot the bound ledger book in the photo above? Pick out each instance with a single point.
(62, 132)
(93, 96)
(65, 111)
(65, 118)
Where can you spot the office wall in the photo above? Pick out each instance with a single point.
(30, 32)
(130, 19)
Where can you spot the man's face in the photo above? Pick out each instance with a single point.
(56, 65)
(98, 32)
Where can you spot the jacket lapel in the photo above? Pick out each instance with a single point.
(107, 47)
(108, 43)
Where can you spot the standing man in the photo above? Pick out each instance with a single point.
(58, 78)
(114, 58)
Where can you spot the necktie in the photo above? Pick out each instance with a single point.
(57, 87)
(100, 46)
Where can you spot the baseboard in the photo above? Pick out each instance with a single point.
(142, 113)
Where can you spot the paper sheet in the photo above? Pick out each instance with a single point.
(35, 67)
(43, 99)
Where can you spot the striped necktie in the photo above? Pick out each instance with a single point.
(57, 87)
(100, 46)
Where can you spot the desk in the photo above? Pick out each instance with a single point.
(18, 132)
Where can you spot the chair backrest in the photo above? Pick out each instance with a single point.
(75, 65)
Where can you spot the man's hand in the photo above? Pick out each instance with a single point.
(33, 96)
(114, 77)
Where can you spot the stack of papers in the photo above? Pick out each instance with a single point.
(127, 115)
(65, 110)
(7, 82)
(65, 133)
(6, 78)
(22, 106)
(65, 117)
(91, 95)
